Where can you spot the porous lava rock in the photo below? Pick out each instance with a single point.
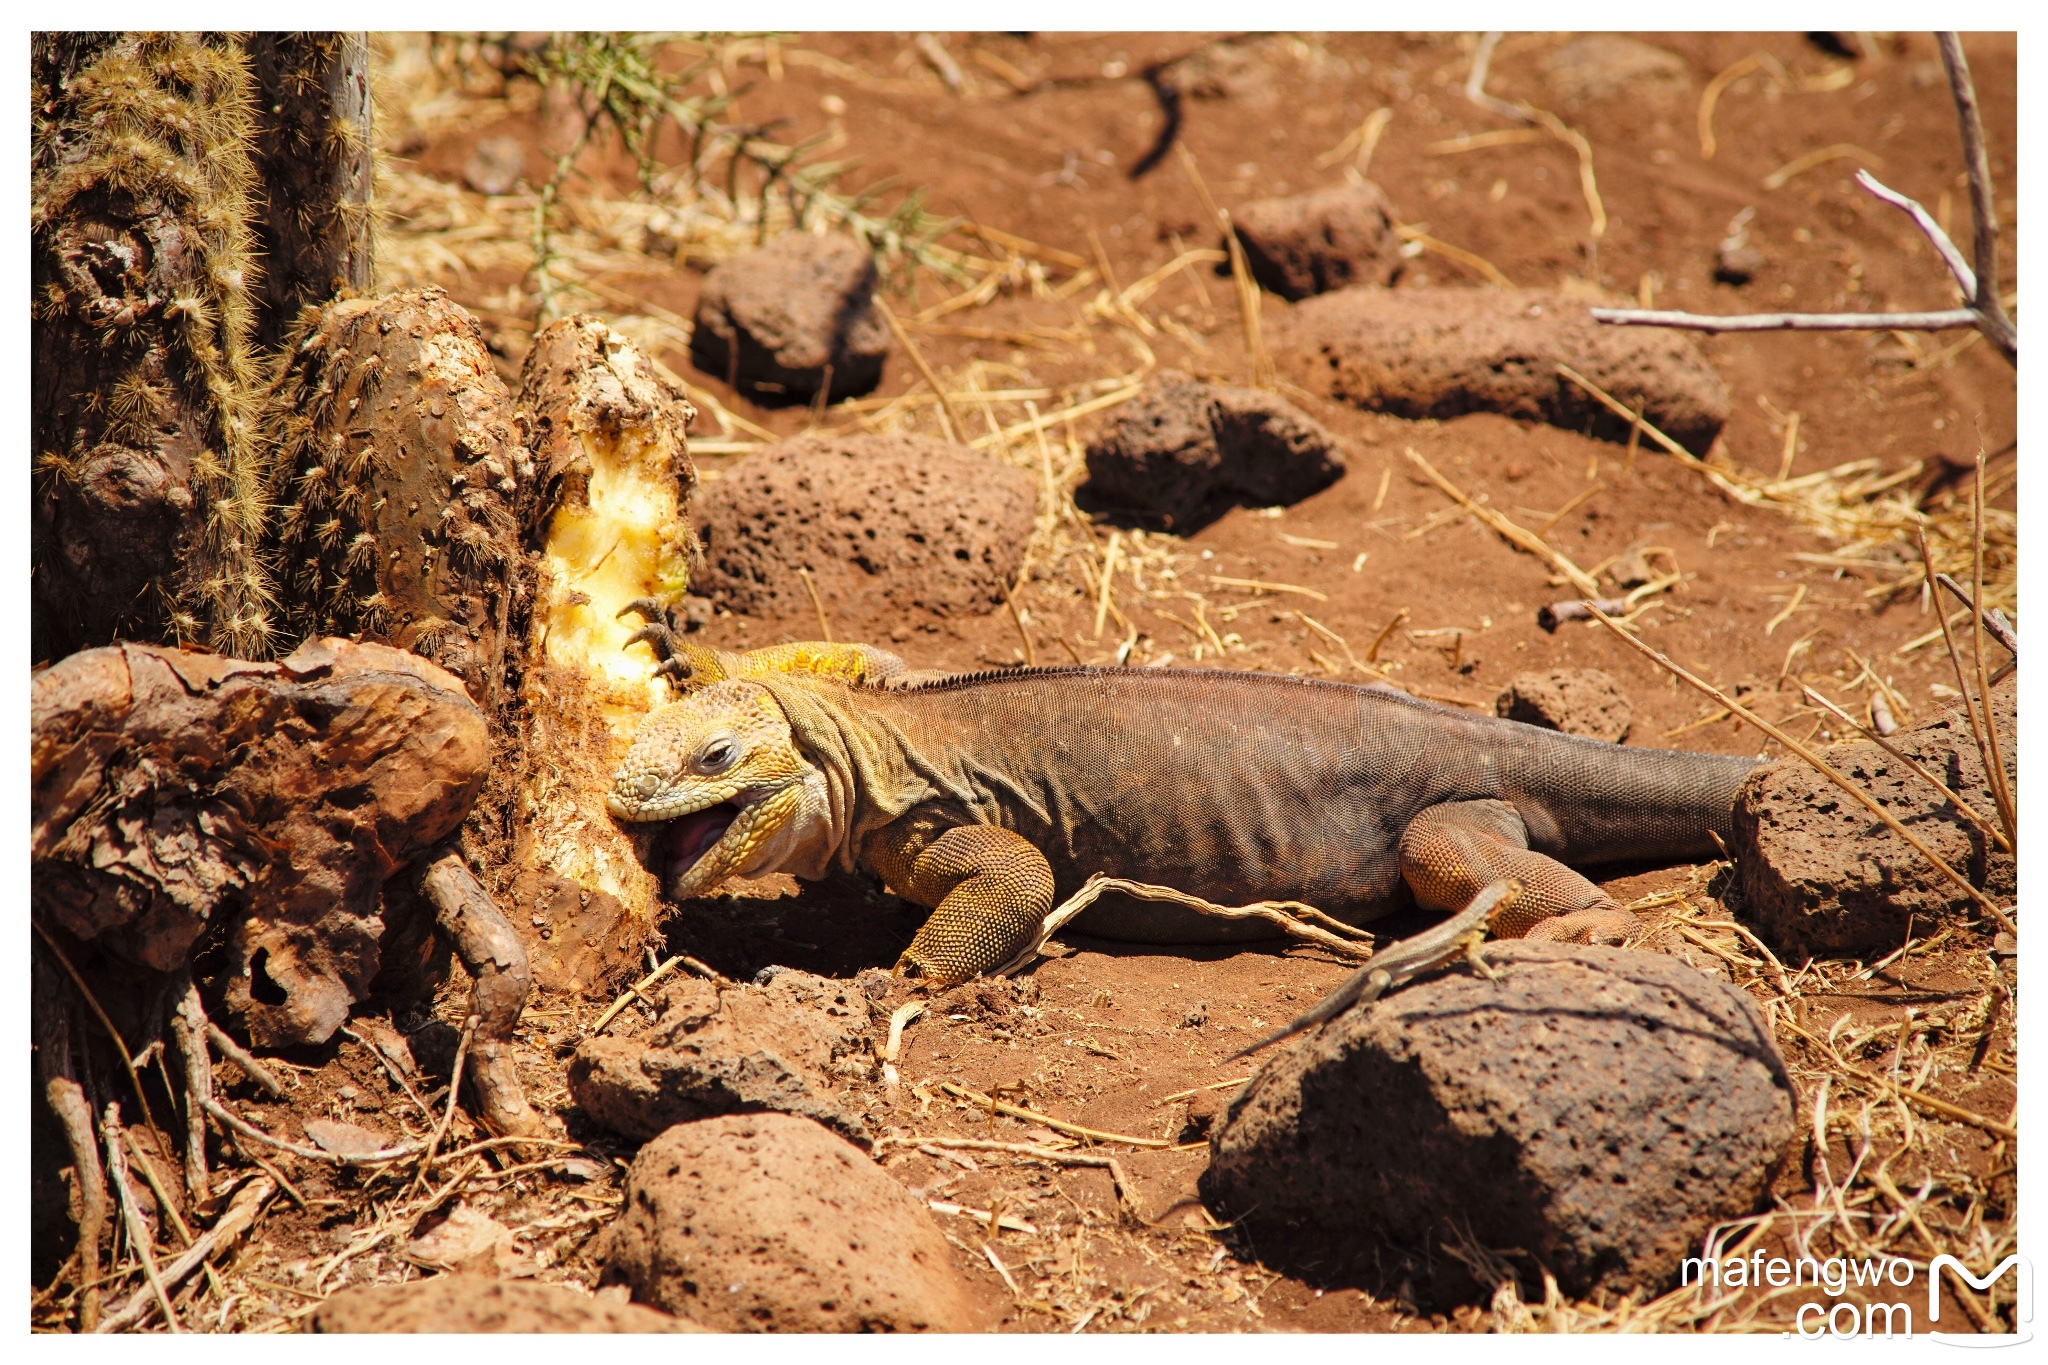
(1183, 452)
(1578, 701)
(1445, 352)
(1303, 244)
(793, 317)
(471, 1304)
(1819, 874)
(169, 790)
(1599, 1108)
(1603, 64)
(769, 1223)
(721, 1048)
(885, 525)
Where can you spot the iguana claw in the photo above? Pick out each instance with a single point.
(652, 609)
(657, 635)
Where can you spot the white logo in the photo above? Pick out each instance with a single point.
(2023, 1305)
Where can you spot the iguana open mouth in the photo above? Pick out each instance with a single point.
(690, 837)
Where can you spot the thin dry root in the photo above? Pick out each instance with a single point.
(66, 1098)
(235, 1053)
(496, 961)
(139, 1237)
(188, 1028)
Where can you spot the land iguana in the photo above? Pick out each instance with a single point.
(990, 796)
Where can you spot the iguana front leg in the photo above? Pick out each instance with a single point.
(691, 666)
(1450, 852)
(990, 889)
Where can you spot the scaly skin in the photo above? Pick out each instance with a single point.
(988, 796)
(860, 665)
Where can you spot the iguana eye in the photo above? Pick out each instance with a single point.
(717, 756)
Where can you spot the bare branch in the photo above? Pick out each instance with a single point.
(1790, 322)
(1978, 162)
(1951, 257)
(1985, 313)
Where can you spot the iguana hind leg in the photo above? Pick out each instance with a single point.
(991, 890)
(1450, 852)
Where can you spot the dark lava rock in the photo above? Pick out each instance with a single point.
(1446, 352)
(885, 525)
(720, 1049)
(472, 1304)
(1819, 874)
(768, 1223)
(1183, 452)
(1326, 239)
(773, 321)
(1598, 1108)
(1578, 701)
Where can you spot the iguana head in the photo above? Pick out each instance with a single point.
(722, 769)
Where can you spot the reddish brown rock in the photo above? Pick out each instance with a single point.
(768, 1223)
(1445, 352)
(884, 524)
(783, 322)
(171, 789)
(1184, 452)
(1578, 701)
(1599, 1108)
(1325, 239)
(469, 1304)
(1820, 875)
(724, 1048)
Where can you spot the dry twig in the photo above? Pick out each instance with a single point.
(241, 1213)
(131, 1216)
(1289, 916)
(1125, 1190)
(1984, 312)
(1523, 112)
(250, 1130)
(1261, 376)
(1985, 753)
(1517, 536)
(633, 992)
(996, 1106)
(947, 417)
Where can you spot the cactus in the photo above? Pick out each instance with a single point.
(401, 484)
(312, 152)
(152, 491)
